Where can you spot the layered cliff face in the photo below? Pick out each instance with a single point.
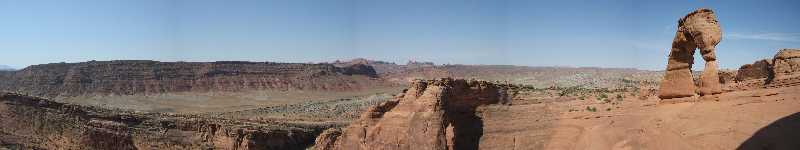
(432, 114)
(31, 122)
(152, 77)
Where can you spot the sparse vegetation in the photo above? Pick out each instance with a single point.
(570, 90)
(591, 109)
(602, 96)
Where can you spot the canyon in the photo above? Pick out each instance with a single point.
(617, 109)
(369, 104)
(36, 123)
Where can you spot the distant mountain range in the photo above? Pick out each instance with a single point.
(4, 68)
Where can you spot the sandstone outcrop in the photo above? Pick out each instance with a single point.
(432, 114)
(360, 69)
(779, 71)
(131, 77)
(37, 123)
(758, 70)
(786, 63)
(726, 77)
(697, 30)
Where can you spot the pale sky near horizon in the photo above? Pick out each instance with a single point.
(620, 34)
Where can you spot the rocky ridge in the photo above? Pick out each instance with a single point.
(431, 114)
(779, 71)
(131, 77)
(36, 123)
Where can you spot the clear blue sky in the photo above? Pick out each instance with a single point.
(626, 33)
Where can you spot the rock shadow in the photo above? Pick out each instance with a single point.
(467, 129)
(783, 134)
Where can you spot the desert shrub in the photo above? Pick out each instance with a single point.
(569, 91)
(602, 96)
(591, 109)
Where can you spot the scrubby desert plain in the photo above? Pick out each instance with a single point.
(370, 104)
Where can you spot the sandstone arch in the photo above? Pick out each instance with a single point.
(697, 30)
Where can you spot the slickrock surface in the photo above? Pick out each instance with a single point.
(432, 114)
(130, 77)
(697, 30)
(30, 122)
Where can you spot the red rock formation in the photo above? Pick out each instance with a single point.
(359, 69)
(434, 114)
(699, 29)
(758, 70)
(42, 124)
(726, 77)
(780, 71)
(786, 63)
(152, 77)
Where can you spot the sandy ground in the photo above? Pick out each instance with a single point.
(752, 119)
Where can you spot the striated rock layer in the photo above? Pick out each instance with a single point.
(36, 123)
(433, 114)
(129, 77)
(697, 30)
